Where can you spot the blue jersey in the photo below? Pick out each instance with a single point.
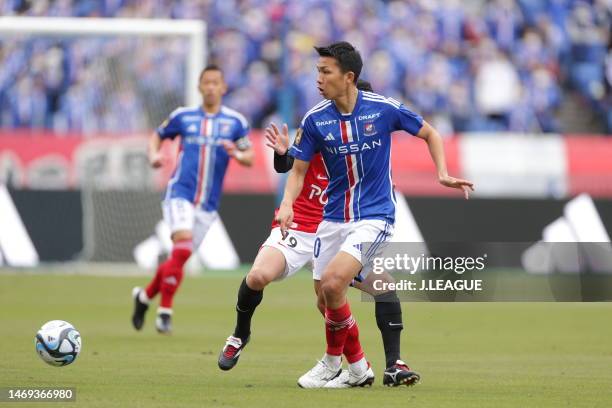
(202, 160)
(356, 150)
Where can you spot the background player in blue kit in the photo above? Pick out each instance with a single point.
(352, 130)
(210, 135)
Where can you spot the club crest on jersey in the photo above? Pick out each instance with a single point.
(225, 129)
(369, 129)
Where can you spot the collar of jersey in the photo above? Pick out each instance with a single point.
(355, 109)
(210, 115)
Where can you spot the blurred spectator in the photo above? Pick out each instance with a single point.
(478, 65)
(496, 86)
(504, 19)
(588, 35)
(608, 102)
(28, 102)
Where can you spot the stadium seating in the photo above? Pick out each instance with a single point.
(435, 56)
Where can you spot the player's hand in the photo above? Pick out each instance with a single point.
(156, 160)
(230, 147)
(284, 217)
(461, 184)
(277, 140)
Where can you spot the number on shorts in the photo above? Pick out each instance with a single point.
(291, 241)
(317, 247)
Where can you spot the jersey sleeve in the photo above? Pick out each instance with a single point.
(171, 127)
(404, 119)
(241, 134)
(306, 143)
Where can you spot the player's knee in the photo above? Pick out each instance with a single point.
(181, 235)
(331, 286)
(321, 305)
(257, 279)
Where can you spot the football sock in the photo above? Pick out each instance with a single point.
(248, 300)
(153, 288)
(332, 361)
(172, 271)
(389, 320)
(164, 310)
(352, 346)
(337, 323)
(143, 298)
(359, 366)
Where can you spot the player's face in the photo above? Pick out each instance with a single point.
(331, 82)
(212, 87)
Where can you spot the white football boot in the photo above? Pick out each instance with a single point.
(319, 375)
(350, 379)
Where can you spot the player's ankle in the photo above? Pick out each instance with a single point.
(391, 361)
(332, 361)
(360, 366)
(164, 310)
(143, 297)
(243, 336)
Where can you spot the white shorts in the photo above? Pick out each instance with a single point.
(333, 237)
(296, 247)
(181, 215)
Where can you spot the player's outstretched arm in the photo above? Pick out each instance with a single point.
(155, 156)
(436, 150)
(294, 185)
(276, 139)
(279, 142)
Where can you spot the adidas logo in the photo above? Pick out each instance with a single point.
(192, 128)
(171, 280)
(329, 137)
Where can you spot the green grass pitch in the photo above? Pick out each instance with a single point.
(469, 354)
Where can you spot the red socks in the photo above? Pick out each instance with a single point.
(170, 274)
(153, 288)
(352, 347)
(342, 334)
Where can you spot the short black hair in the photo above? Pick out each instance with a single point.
(347, 56)
(210, 67)
(364, 85)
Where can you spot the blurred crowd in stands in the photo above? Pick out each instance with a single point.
(494, 65)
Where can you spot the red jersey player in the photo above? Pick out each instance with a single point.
(280, 257)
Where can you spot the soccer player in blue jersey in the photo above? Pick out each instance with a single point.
(352, 130)
(211, 134)
(280, 257)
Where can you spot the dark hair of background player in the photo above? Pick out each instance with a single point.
(210, 67)
(364, 85)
